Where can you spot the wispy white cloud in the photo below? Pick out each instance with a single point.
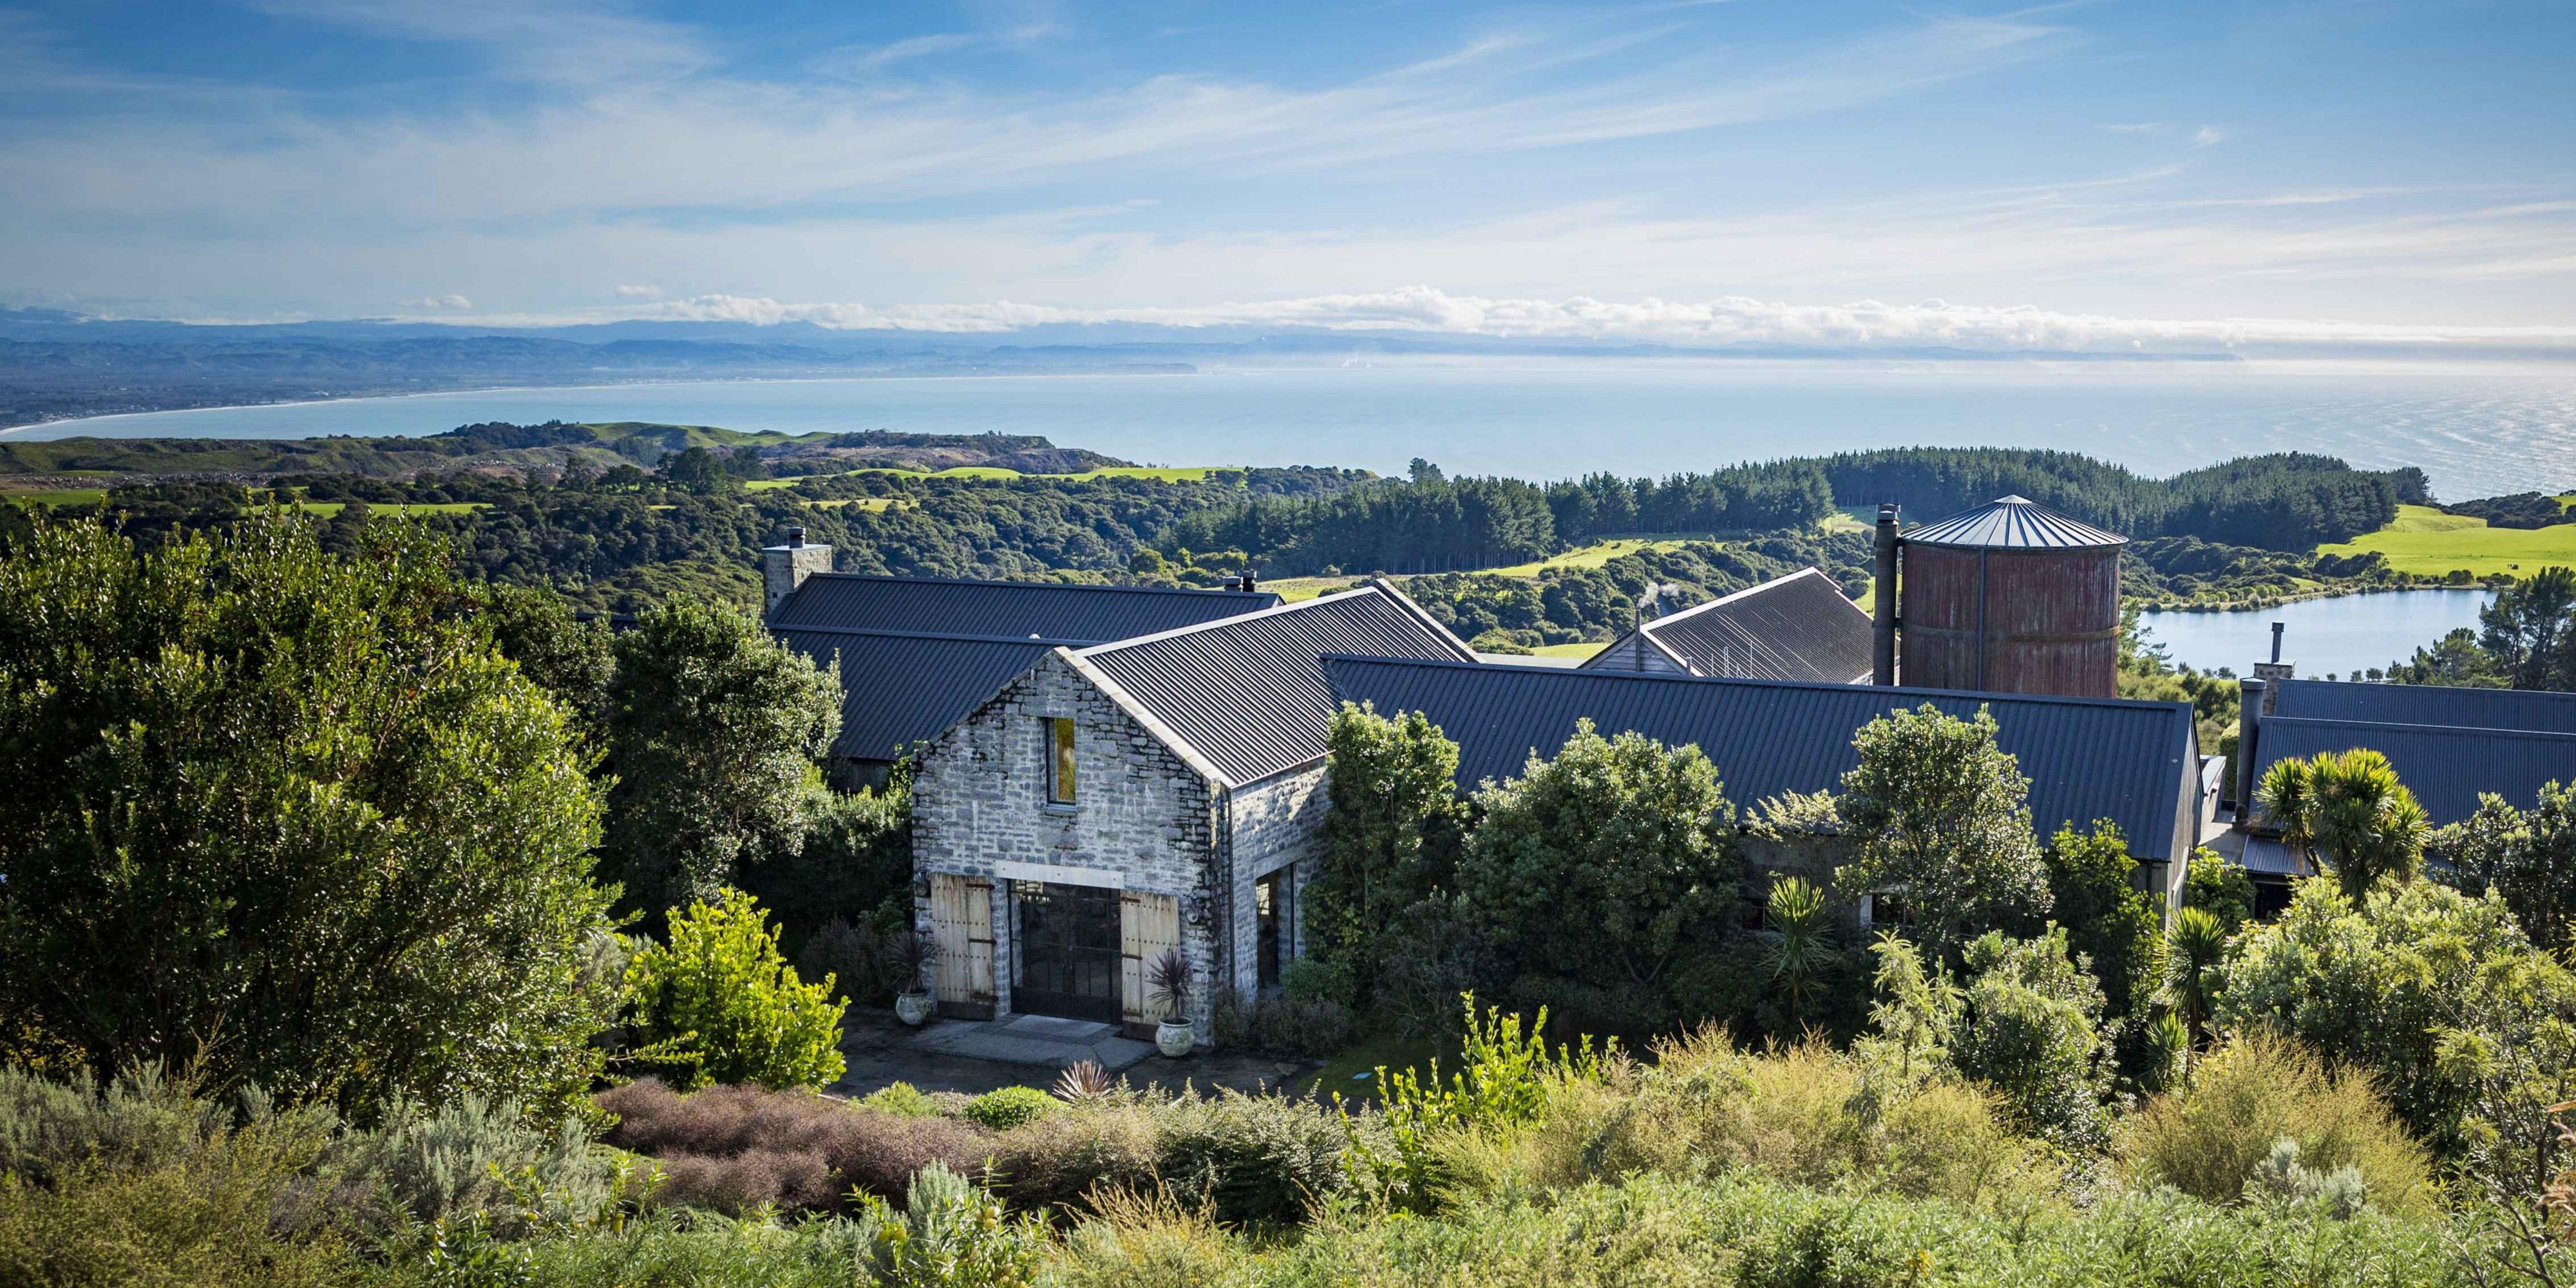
(1727, 322)
(449, 301)
(634, 292)
(559, 40)
(2208, 136)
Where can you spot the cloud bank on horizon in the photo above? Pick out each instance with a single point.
(1734, 321)
(2094, 176)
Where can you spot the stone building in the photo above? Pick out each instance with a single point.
(1117, 801)
(916, 654)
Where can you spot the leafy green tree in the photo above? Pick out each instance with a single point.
(569, 658)
(1941, 818)
(2528, 633)
(698, 470)
(2349, 809)
(289, 820)
(2030, 1027)
(714, 728)
(1914, 1016)
(718, 1003)
(1601, 864)
(2468, 1026)
(2109, 921)
(2219, 887)
(2527, 856)
(1391, 832)
(2456, 660)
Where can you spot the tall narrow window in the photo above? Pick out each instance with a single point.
(1059, 761)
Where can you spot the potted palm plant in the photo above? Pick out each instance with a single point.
(1167, 988)
(908, 957)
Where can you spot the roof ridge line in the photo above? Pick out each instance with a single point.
(1040, 585)
(956, 636)
(1828, 686)
(1107, 646)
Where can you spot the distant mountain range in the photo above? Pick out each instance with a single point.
(57, 366)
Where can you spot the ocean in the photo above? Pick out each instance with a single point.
(2476, 429)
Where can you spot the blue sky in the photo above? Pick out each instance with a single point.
(2105, 174)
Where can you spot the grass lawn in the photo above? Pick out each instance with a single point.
(863, 502)
(2425, 540)
(1354, 1072)
(1585, 648)
(1594, 555)
(60, 496)
(1298, 589)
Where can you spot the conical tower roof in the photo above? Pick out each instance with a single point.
(2013, 523)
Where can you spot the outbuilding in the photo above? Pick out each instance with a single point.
(1114, 802)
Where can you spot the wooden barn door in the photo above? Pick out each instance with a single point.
(1148, 925)
(961, 922)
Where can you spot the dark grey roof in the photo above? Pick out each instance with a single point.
(918, 654)
(2445, 767)
(903, 689)
(1005, 609)
(2270, 857)
(2012, 523)
(2087, 758)
(2427, 704)
(1248, 694)
(1798, 627)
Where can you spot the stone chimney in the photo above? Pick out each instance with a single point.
(786, 567)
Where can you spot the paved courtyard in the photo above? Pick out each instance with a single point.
(1031, 1050)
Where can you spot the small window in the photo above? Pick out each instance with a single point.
(1059, 761)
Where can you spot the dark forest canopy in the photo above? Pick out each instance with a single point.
(1431, 524)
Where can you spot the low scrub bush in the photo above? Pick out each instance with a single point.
(901, 1098)
(1244, 1159)
(2217, 1133)
(732, 1149)
(1803, 1115)
(1279, 1024)
(1007, 1107)
(718, 1004)
(1248, 1159)
(952, 1235)
(1742, 1228)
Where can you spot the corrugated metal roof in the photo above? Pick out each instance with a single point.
(1798, 627)
(2446, 767)
(2087, 758)
(1248, 694)
(1005, 609)
(903, 689)
(2270, 857)
(2013, 523)
(2427, 704)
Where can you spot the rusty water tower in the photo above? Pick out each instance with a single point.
(2010, 597)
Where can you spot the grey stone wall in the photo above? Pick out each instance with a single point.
(784, 568)
(1142, 818)
(1276, 822)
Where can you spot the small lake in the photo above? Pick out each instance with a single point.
(2339, 636)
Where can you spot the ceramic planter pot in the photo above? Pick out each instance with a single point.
(1174, 1038)
(913, 1008)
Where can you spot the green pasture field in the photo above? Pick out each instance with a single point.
(59, 496)
(2426, 541)
(1579, 649)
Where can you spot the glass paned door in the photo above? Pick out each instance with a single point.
(1068, 951)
